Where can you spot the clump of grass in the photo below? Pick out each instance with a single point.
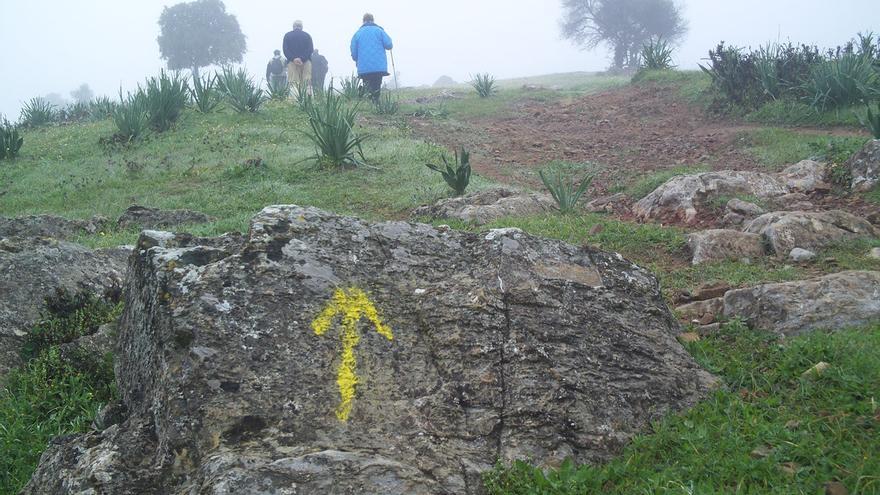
(457, 177)
(387, 104)
(38, 112)
(484, 84)
(350, 87)
(303, 93)
(101, 108)
(131, 117)
(769, 429)
(565, 190)
(872, 121)
(75, 112)
(166, 96)
(205, 93)
(656, 55)
(278, 89)
(331, 123)
(241, 92)
(844, 81)
(10, 140)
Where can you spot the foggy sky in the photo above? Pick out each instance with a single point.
(54, 46)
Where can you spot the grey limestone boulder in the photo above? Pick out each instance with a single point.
(484, 206)
(142, 217)
(324, 354)
(49, 226)
(832, 302)
(722, 244)
(864, 167)
(812, 230)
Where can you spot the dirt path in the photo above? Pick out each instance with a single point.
(628, 131)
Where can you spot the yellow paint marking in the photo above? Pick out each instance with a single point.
(353, 304)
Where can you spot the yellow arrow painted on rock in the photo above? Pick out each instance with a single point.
(352, 304)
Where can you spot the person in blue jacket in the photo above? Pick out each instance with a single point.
(368, 47)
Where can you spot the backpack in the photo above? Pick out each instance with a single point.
(276, 66)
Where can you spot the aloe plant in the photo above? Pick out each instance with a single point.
(656, 55)
(564, 190)
(457, 177)
(10, 140)
(872, 121)
(240, 90)
(331, 123)
(165, 96)
(205, 93)
(484, 84)
(38, 111)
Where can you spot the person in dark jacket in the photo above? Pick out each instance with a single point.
(276, 70)
(319, 70)
(298, 49)
(368, 46)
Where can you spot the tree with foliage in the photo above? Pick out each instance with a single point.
(199, 33)
(82, 94)
(624, 25)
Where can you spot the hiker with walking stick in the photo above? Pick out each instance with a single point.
(368, 46)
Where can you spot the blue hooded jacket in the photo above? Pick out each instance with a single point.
(368, 47)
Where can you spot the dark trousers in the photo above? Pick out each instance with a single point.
(373, 84)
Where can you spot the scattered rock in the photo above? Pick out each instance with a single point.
(732, 219)
(799, 255)
(482, 207)
(790, 468)
(711, 290)
(874, 253)
(504, 347)
(762, 452)
(835, 488)
(816, 370)
(813, 230)
(744, 208)
(49, 226)
(706, 330)
(836, 301)
(806, 176)
(142, 217)
(689, 337)
(608, 204)
(33, 269)
(874, 218)
(722, 244)
(864, 167)
(596, 229)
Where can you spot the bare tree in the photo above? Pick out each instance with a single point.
(623, 25)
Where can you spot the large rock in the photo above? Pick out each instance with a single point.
(49, 226)
(33, 269)
(833, 302)
(142, 217)
(812, 230)
(484, 206)
(721, 244)
(452, 350)
(864, 167)
(683, 197)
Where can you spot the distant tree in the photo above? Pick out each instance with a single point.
(623, 25)
(200, 33)
(56, 99)
(82, 94)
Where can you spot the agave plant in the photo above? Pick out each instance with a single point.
(278, 89)
(130, 117)
(101, 108)
(331, 123)
(484, 84)
(303, 93)
(350, 87)
(166, 97)
(459, 176)
(75, 112)
(656, 55)
(564, 190)
(205, 94)
(847, 80)
(10, 140)
(872, 121)
(38, 111)
(241, 92)
(387, 104)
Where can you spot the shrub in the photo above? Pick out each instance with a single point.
(278, 90)
(350, 87)
(75, 112)
(205, 94)
(872, 121)
(67, 318)
(656, 55)
(37, 112)
(331, 123)
(457, 177)
(101, 108)
(844, 81)
(484, 84)
(10, 140)
(166, 97)
(387, 104)
(130, 117)
(240, 90)
(564, 190)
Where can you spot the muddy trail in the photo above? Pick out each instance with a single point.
(626, 131)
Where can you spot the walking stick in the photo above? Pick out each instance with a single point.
(394, 69)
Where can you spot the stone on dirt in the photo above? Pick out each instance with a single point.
(143, 217)
(324, 354)
(799, 255)
(833, 302)
(721, 244)
(864, 167)
(744, 208)
(49, 226)
(784, 231)
(33, 269)
(482, 207)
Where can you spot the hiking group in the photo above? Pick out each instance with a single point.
(302, 67)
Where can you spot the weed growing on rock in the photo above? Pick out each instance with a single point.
(457, 177)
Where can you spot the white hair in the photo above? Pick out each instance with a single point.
(297, 24)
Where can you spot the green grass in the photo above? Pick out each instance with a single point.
(693, 86)
(768, 430)
(793, 113)
(778, 148)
